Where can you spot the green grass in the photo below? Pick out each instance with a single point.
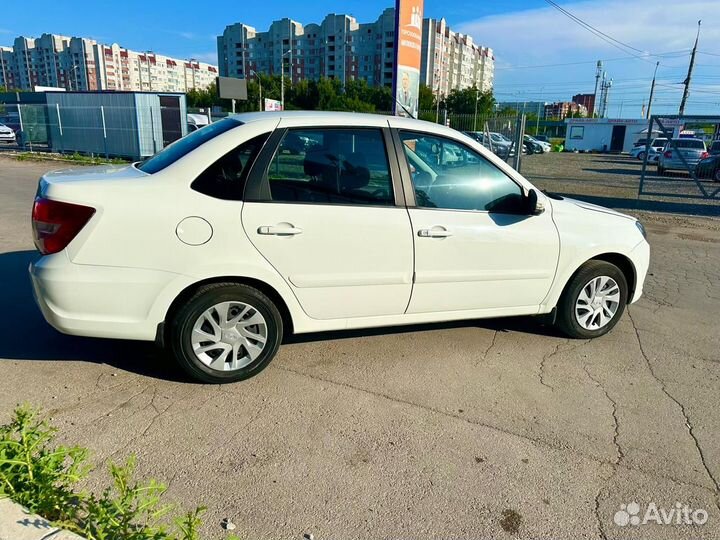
(44, 477)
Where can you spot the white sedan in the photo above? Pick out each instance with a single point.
(6, 134)
(232, 236)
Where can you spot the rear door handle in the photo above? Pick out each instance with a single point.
(279, 230)
(437, 231)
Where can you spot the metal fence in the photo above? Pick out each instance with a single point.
(675, 172)
(134, 126)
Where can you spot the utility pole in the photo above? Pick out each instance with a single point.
(689, 75)
(652, 91)
(598, 74)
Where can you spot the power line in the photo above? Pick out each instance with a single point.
(602, 35)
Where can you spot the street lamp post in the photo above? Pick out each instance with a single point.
(282, 78)
(259, 80)
(477, 98)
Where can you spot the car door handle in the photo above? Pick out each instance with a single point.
(279, 230)
(434, 232)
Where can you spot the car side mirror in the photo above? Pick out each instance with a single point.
(532, 206)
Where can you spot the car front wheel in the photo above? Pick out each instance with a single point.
(225, 332)
(593, 301)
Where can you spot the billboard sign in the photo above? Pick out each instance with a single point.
(408, 41)
(231, 88)
(273, 105)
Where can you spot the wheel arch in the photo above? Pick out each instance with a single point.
(624, 263)
(267, 289)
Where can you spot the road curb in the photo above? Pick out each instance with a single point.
(18, 523)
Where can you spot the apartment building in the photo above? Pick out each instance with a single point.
(563, 109)
(586, 100)
(81, 64)
(451, 60)
(341, 48)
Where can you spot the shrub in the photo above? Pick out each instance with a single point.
(43, 478)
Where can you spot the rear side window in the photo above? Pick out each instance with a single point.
(331, 166)
(170, 154)
(225, 179)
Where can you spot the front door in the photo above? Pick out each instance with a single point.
(473, 248)
(617, 140)
(325, 217)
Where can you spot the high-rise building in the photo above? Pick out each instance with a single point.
(586, 100)
(81, 64)
(563, 109)
(341, 48)
(450, 60)
(338, 48)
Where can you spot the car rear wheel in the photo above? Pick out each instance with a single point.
(593, 301)
(641, 156)
(225, 332)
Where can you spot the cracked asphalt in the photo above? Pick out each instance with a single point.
(498, 428)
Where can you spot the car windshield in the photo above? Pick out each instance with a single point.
(187, 144)
(689, 143)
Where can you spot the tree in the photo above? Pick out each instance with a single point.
(426, 99)
(463, 101)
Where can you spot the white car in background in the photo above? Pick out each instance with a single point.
(656, 147)
(224, 241)
(6, 134)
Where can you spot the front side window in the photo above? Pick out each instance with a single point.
(331, 166)
(448, 175)
(170, 154)
(225, 179)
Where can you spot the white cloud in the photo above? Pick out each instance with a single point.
(546, 36)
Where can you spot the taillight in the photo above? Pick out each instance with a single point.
(668, 154)
(56, 223)
(704, 155)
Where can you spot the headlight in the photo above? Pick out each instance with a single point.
(641, 229)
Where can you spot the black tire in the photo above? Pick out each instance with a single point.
(566, 320)
(716, 175)
(641, 156)
(180, 328)
(661, 170)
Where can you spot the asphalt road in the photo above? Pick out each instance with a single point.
(472, 430)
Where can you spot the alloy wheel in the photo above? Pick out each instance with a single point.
(229, 336)
(597, 303)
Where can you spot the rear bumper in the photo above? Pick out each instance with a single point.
(97, 301)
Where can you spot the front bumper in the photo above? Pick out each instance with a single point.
(640, 257)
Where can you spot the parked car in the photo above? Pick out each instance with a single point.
(709, 168)
(692, 150)
(496, 142)
(223, 242)
(714, 148)
(542, 138)
(6, 134)
(656, 148)
(539, 147)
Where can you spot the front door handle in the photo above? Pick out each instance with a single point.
(283, 229)
(437, 231)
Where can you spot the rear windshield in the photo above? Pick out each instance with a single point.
(170, 154)
(659, 142)
(689, 143)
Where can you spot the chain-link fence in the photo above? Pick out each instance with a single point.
(134, 126)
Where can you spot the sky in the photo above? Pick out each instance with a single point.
(541, 55)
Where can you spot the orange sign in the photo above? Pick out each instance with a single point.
(408, 37)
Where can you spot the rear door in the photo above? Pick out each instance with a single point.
(323, 207)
